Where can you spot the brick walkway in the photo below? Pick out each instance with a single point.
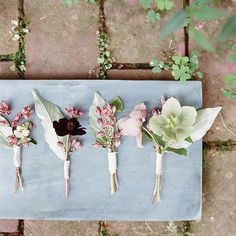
(62, 44)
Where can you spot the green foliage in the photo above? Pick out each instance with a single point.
(175, 22)
(146, 4)
(164, 4)
(153, 16)
(233, 57)
(228, 30)
(104, 58)
(182, 68)
(118, 103)
(201, 39)
(204, 13)
(229, 93)
(157, 7)
(197, 12)
(230, 80)
(179, 151)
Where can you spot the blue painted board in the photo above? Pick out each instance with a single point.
(90, 197)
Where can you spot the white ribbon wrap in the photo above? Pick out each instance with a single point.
(112, 162)
(17, 156)
(67, 169)
(159, 169)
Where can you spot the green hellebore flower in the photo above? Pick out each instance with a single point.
(175, 123)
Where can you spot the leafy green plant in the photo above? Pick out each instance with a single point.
(104, 58)
(156, 8)
(193, 15)
(182, 67)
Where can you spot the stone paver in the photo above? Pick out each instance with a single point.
(62, 39)
(219, 195)
(9, 12)
(5, 72)
(133, 37)
(60, 228)
(8, 226)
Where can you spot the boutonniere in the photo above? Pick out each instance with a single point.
(15, 134)
(172, 129)
(61, 131)
(102, 121)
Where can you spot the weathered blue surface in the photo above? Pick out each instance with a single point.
(90, 197)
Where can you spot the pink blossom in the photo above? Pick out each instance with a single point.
(132, 127)
(26, 112)
(73, 112)
(13, 140)
(100, 134)
(96, 145)
(16, 120)
(100, 121)
(139, 112)
(98, 110)
(76, 143)
(3, 123)
(4, 108)
(200, 25)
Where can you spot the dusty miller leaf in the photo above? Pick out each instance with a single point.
(47, 113)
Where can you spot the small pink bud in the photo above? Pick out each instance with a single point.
(26, 112)
(98, 110)
(73, 112)
(100, 121)
(96, 145)
(4, 108)
(155, 111)
(76, 143)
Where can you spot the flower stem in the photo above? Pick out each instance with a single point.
(67, 166)
(159, 170)
(19, 181)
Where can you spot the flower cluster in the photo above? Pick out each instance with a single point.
(109, 135)
(20, 131)
(71, 127)
(175, 123)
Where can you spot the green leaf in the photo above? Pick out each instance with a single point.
(189, 140)
(180, 151)
(47, 113)
(154, 62)
(231, 80)
(156, 69)
(153, 16)
(33, 141)
(204, 13)
(175, 22)
(118, 103)
(228, 30)
(146, 3)
(200, 74)
(164, 4)
(201, 39)
(228, 93)
(233, 57)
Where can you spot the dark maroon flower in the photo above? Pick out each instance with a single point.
(68, 126)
